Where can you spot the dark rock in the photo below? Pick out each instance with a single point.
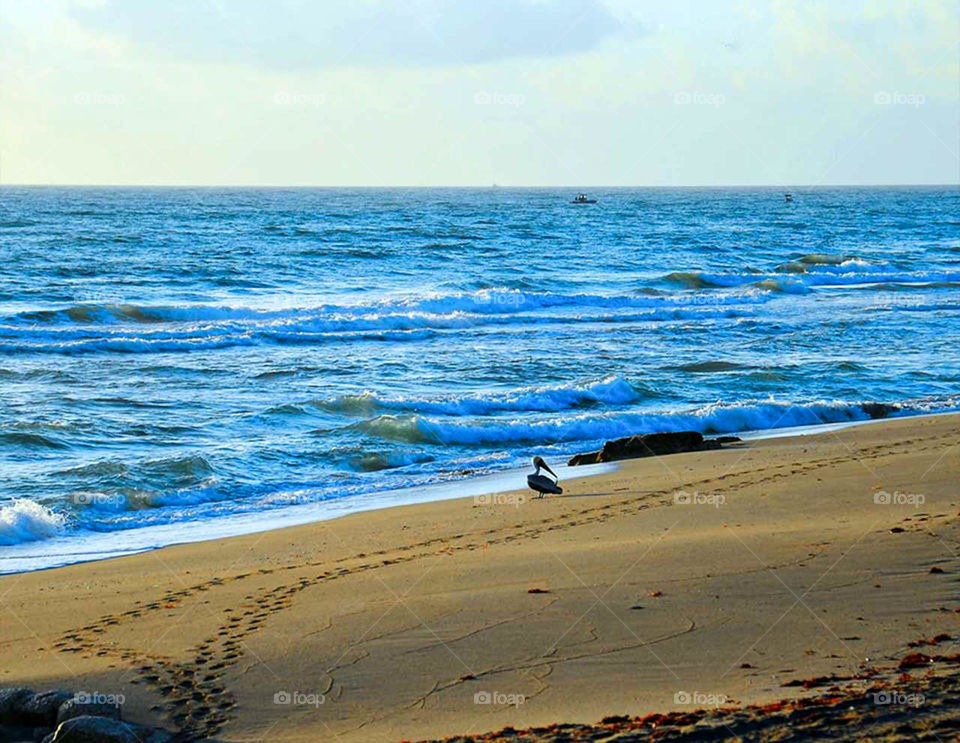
(651, 444)
(11, 703)
(878, 409)
(78, 706)
(915, 660)
(615, 720)
(41, 708)
(90, 729)
(591, 457)
(16, 733)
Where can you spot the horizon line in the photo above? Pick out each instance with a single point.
(474, 187)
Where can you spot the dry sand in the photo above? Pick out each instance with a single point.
(612, 599)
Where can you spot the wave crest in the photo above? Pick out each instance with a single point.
(611, 390)
(30, 441)
(712, 419)
(784, 285)
(801, 282)
(393, 327)
(824, 259)
(708, 367)
(28, 521)
(482, 302)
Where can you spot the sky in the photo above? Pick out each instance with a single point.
(478, 92)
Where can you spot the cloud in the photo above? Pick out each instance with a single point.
(299, 34)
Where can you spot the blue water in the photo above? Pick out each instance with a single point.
(187, 355)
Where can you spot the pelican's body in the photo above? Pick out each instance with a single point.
(541, 483)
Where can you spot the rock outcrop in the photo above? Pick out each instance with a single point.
(90, 729)
(42, 709)
(79, 706)
(60, 716)
(650, 445)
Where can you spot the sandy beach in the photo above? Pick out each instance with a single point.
(773, 569)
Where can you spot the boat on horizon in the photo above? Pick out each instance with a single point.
(582, 198)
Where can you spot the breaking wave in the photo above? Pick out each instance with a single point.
(712, 419)
(801, 282)
(609, 391)
(485, 302)
(27, 521)
(312, 330)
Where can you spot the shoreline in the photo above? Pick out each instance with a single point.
(244, 524)
(107, 545)
(783, 563)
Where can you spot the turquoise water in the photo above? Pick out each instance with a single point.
(191, 355)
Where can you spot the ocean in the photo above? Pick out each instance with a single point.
(180, 363)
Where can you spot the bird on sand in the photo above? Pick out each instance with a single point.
(541, 483)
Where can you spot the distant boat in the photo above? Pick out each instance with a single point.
(582, 199)
(788, 197)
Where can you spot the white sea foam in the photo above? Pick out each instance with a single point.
(27, 521)
(611, 390)
(712, 419)
(309, 329)
(819, 278)
(485, 302)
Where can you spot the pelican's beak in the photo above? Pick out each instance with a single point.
(547, 468)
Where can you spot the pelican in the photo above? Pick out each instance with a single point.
(541, 483)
